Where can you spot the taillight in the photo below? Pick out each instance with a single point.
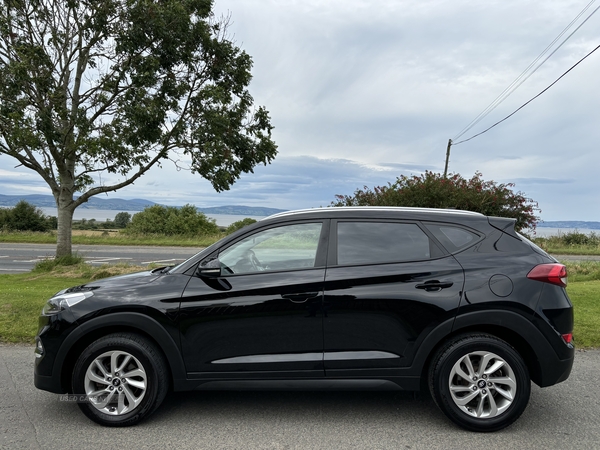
(568, 337)
(549, 273)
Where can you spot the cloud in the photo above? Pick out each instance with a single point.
(21, 181)
(545, 181)
(360, 92)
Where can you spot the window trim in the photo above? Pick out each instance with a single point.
(479, 234)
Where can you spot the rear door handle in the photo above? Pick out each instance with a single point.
(434, 285)
(299, 298)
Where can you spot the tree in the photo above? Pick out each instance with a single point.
(122, 219)
(94, 93)
(238, 225)
(433, 190)
(24, 217)
(168, 220)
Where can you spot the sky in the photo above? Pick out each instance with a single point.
(360, 92)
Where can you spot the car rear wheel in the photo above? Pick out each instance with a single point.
(120, 379)
(480, 382)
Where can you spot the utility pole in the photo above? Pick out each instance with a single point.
(447, 158)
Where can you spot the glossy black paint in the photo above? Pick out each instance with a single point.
(331, 323)
(276, 316)
(151, 295)
(381, 308)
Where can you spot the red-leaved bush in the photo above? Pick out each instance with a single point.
(432, 190)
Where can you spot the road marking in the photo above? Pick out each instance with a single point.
(161, 261)
(103, 260)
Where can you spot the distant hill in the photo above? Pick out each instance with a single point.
(47, 201)
(240, 210)
(137, 204)
(570, 224)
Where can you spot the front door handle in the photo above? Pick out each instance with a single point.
(434, 285)
(299, 298)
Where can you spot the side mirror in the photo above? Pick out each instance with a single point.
(209, 268)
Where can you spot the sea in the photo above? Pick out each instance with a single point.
(102, 215)
(549, 231)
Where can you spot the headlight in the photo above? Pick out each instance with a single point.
(62, 301)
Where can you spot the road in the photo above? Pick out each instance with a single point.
(18, 258)
(562, 416)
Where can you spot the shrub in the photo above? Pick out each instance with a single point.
(576, 238)
(573, 240)
(122, 219)
(4, 219)
(432, 190)
(24, 217)
(239, 225)
(48, 265)
(52, 222)
(168, 220)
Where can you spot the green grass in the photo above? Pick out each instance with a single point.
(113, 239)
(585, 296)
(21, 300)
(22, 296)
(571, 249)
(582, 270)
(571, 243)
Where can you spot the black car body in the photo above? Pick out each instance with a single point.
(388, 298)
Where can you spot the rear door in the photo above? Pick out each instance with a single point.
(387, 285)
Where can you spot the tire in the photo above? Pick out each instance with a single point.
(120, 379)
(475, 398)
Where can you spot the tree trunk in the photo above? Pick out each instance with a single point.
(65, 222)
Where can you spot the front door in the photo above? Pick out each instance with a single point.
(263, 314)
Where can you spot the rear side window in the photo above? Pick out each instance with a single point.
(451, 237)
(380, 242)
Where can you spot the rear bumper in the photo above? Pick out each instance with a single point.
(554, 370)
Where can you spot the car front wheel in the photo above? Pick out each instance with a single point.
(480, 382)
(120, 378)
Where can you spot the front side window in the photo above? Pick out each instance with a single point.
(286, 247)
(379, 242)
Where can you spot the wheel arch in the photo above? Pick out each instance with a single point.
(511, 327)
(129, 322)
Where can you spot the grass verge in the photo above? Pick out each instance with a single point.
(585, 296)
(112, 238)
(22, 296)
(570, 243)
(582, 271)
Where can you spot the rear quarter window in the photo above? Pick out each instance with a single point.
(453, 238)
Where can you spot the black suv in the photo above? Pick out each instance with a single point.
(350, 298)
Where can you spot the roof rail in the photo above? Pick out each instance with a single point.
(332, 210)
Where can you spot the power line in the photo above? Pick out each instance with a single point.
(524, 76)
(532, 99)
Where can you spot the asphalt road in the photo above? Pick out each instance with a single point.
(16, 258)
(562, 416)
